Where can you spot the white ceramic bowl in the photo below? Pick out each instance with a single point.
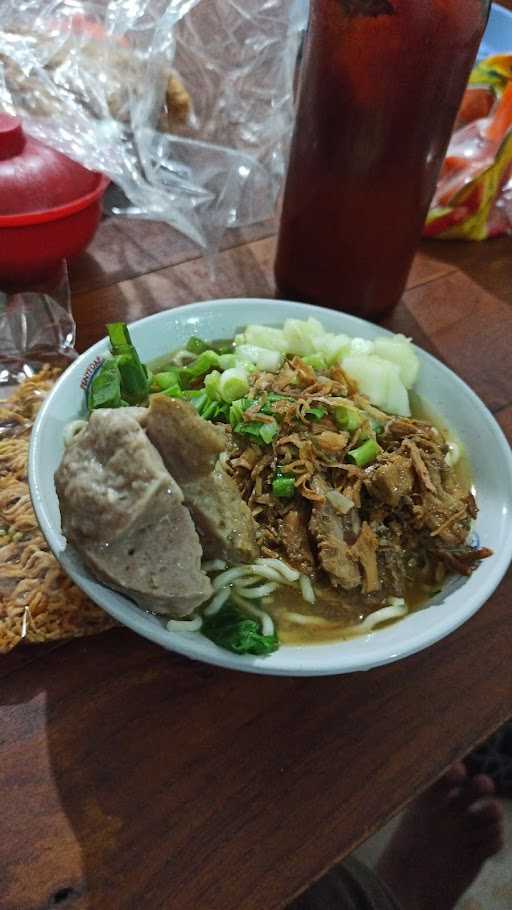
(485, 444)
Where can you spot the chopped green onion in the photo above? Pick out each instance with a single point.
(208, 360)
(222, 346)
(315, 413)
(211, 384)
(364, 454)
(348, 418)
(174, 391)
(164, 381)
(283, 487)
(196, 345)
(233, 384)
(262, 358)
(317, 361)
(228, 361)
(274, 396)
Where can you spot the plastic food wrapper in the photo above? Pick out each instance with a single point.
(36, 327)
(473, 200)
(186, 104)
(38, 602)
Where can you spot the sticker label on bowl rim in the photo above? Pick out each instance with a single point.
(90, 372)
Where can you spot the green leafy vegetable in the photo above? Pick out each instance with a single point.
(200, 399)
(238, 409)
(208, 409)
(119, 337)
(135, 378)
(271, 399)
(230, 628)
(268, 431)
(261, 432)
(105, 388)
(216, 410)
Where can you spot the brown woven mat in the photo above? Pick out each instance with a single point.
(38, 602)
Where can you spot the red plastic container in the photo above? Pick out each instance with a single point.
(50, 207)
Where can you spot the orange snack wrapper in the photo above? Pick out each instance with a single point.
(473, 199)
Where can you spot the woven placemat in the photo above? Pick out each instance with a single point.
(38, 602)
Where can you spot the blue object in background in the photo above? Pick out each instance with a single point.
(498, 34)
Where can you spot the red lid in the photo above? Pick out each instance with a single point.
(34, 177)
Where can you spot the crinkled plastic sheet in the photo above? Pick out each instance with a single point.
(186, 104)
(38, 602)
(36, 328)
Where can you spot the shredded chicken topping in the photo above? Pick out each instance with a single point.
(410, 515)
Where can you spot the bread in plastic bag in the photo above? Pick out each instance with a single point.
(185, 104)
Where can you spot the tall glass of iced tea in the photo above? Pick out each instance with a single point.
(380, 87)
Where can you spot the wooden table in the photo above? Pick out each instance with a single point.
(132, 778)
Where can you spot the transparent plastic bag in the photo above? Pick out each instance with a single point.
(186, 104)
(38, 602)
(36, 328)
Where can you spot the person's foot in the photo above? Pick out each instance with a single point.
(443, 841)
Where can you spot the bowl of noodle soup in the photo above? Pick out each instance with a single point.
(378, 639)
